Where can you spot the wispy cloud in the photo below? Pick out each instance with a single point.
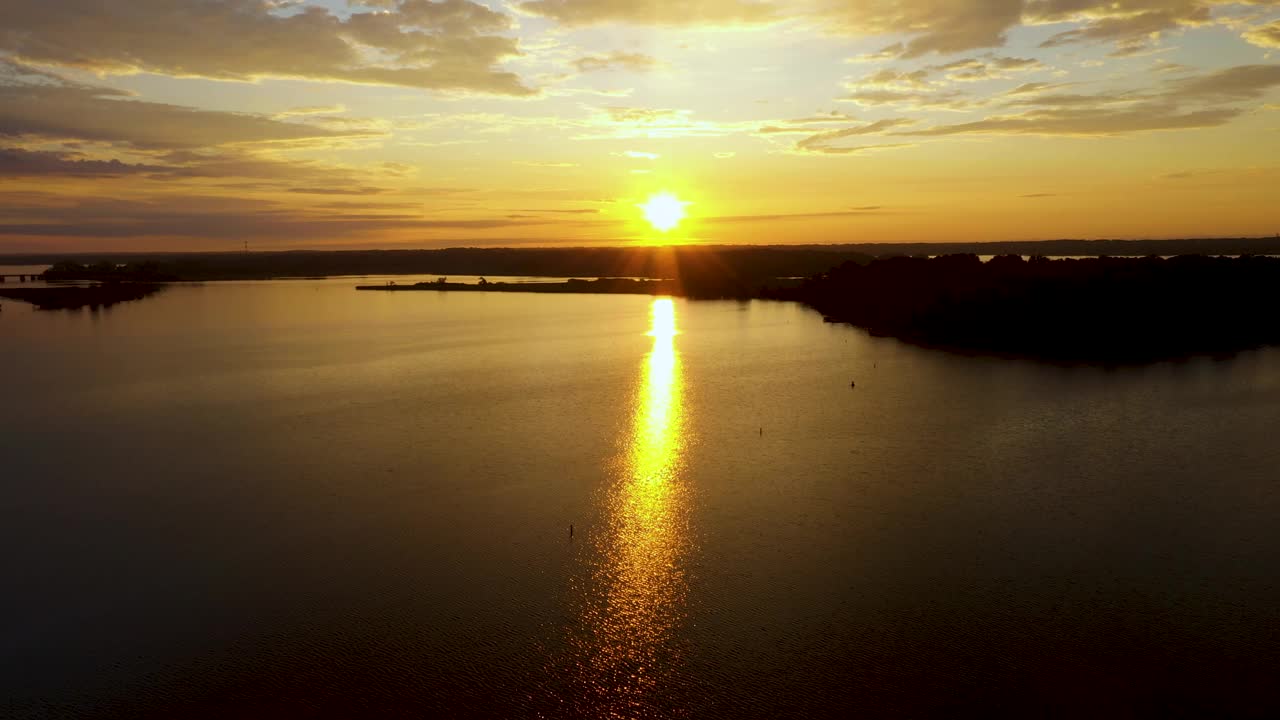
(617, 60)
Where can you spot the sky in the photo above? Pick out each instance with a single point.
(219, 124)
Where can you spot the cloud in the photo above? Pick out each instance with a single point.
(937, 26)
(654, 123)
(1063, 100)
(886, 53)
(804, 125)
(822, 142)
(577, 13)
(825, 117)
(38, 104)
(852, 212)
(1032, 88)
(617, 60)
(954, 26)
(926, 88)
(941, 26)
(1132, 24)
(990, 67)
(1243, 82)
(365, 190)
(212, 218)
(1089, 121)
(448, 46)
(1199, 101)
(236, 163)
(642, 115)
(888, 78)
(17, 162)
(1259, 176)
(910, 99)
(1130, 28)
(544, 164)
(782, 129)
(930, 26)
(1267, 36)
(311, 110)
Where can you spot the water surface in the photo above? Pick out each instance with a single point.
(290, 499)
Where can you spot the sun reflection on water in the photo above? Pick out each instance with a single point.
(638, 585)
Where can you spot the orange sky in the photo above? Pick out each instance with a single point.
(190, 125)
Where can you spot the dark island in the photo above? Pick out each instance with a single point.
(71, 297)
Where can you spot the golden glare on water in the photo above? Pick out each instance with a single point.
(631, 618)
(663, 210)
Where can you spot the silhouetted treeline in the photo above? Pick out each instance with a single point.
(722, 271)
(1099, 309)
(749, 261)
(1083, 248)
(107, 271)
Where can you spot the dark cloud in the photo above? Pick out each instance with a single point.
(197, 217)
(448, 45)
(364, 190)
(38, 104)
(17, 162)
(1243, 82)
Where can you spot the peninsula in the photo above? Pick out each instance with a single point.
(1110, 310)
(1077, 310)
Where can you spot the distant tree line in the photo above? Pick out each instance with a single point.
(746, 264)
(108, 271)
(1108, 309)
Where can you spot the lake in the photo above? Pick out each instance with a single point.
(291, 499)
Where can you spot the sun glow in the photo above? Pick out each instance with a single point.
(663, 210)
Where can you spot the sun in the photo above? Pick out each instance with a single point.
(663, 211)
